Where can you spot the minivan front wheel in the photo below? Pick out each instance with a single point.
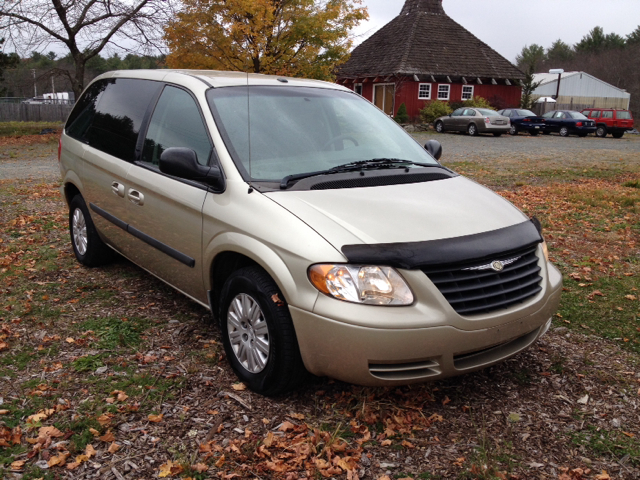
(88, 247)
(257, 332)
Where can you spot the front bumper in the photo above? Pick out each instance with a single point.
(395, 356)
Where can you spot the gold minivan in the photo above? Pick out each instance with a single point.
(320, 235)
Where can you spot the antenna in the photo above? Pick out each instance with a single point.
(249, 134)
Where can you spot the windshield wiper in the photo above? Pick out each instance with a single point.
(373, 164)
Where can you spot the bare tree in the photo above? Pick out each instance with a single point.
(84, 27)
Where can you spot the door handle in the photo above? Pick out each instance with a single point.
(118, 189)
(135, 197)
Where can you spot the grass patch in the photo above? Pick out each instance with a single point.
(611, 445)
(632, 184)
(115, 332)
(614, 313)
(88, 363)
(12, 129)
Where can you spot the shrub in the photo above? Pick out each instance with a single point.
(434, 110)
(401, 115)
(478, 102)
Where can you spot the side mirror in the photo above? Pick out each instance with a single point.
(434, 148)
(183, 163)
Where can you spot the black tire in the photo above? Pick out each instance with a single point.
(472, 129)
(497, 134)
(617, 134)
(514, 130)
(87, 245)
(601, 131)
(564, 132)
(439, 127)
(282, 369)
(534, 133)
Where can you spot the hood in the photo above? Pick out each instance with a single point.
(415, 212)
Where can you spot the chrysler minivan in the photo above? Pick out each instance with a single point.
(322, 237)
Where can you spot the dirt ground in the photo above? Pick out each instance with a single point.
(108, 373)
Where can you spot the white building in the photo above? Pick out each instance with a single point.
(580, 90)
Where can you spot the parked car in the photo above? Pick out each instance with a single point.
(523, 121)
(610, 120)
(320, 235)
(567, 122)
(473, 121)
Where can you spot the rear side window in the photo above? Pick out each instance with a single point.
(607, 114)
(595, 114)
(176, 122)
(119, 113)
(624, 115)
(85, 110)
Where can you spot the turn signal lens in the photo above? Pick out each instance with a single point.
(369, 285)
(545, 250)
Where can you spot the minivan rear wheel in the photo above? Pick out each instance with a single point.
(258, 334)
(88, 247)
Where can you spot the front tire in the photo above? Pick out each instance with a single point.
(472, 130)
(439, 127)
(601, 132)
(617, 134)
(257, 332)
(88, 247)
(564, 132)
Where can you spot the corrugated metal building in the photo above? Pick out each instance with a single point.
(580, 90)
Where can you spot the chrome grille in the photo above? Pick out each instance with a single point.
(475, 289)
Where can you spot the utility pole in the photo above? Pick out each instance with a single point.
(53, 89)
(35, 89)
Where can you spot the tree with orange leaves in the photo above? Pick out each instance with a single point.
(303, 38)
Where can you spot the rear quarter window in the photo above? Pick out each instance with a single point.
(110, 121)
(624, 115)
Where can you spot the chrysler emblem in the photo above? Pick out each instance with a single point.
(498, 266)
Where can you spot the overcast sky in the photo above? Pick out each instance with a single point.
(509, 25)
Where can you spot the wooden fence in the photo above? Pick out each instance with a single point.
(22, 112)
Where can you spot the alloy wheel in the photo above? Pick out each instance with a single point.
(248, 333)
(79, 226)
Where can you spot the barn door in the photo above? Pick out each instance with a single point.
(383, 96)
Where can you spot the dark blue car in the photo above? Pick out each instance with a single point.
(567, 122)
(523, 121)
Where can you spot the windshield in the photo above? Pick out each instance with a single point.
(294, 130)
(526, 113)
(488, 113)
(578, 116)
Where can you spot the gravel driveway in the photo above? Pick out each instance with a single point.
(35, 161)
(458, 147)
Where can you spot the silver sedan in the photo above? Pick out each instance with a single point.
(474, 121)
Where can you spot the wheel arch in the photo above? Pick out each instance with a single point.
(70, 187)
(233, 251)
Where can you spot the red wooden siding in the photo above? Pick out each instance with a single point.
(500, 96)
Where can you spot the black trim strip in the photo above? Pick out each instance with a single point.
(166, 249)
(449, 251)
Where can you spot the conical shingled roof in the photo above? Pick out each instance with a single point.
(424, 40)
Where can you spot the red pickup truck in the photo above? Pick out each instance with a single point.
(610, 120)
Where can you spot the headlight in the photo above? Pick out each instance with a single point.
(365, 284)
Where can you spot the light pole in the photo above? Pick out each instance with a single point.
(35, 89)
(559, 72)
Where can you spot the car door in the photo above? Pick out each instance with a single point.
(454, 121)
(164, 212)
(111, 135)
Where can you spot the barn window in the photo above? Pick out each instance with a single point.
(467, 92)
(443, 92)
(357, 87)
(424, 91)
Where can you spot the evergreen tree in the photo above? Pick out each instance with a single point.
(6, 61)
(530, 56)
(559, 52)
(528, 88)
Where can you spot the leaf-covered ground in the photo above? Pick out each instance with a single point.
(109, 373)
